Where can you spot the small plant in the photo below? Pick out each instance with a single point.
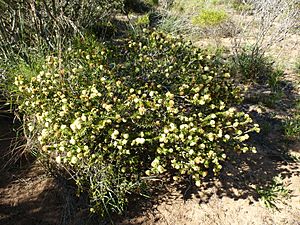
(274, 79)
(292, 127)
(273, 193)
(241, 6)
(175, 24)
(210, 17)
(251, 65)
(297, 66)
(143, 21)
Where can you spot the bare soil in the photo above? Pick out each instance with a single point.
(27, 195)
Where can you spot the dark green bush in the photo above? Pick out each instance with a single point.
(252, 65)
(111, 115)
(292, 126)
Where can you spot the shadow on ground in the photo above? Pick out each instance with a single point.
(242, 174)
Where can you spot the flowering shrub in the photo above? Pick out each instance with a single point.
(113, 114)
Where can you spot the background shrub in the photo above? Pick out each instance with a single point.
(111, 115)
(252, 65)
(36, 25)
(210, 17)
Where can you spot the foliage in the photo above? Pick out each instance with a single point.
(273, 193)
(139, 6)
(292, 126)
(210, 17)
(274, 80)
(252, 65)
(241, 5)
(111, 115)
(297, 66)
(196, 18)
(269, 22)
(175, 24)
(34, 25)
(143, 21)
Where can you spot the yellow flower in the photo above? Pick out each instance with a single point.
(151, 94)
(183, 126)
(244, 138)
(227, 136)
(210, 136)
(74, 160)
(206, 97)
(198, 183)
(30, 128)
(172, 127)
(58, 159)
(160, 169)
(226, 75)
(83, 117)
(72, 141)
(115, 134)
(44, 133)
(171, 103)
(76, 125)
(140, 140)
(142, 110)
(155, 163)
(181, 136)
(235, 124)
(107, 107)
(232, 110)
(169, 95)
(201, 102)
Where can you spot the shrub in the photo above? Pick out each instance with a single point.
(241, 6)
(196, 18)
(268, 22)
(252, 65)
(292, 126)
(27, 25)
(273, 193)
(139, 6)
(111, 115)
(210, 17)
